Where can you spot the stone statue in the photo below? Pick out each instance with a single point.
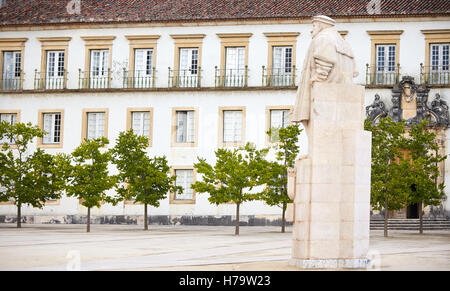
(330, 186)
(409, 101)
(329, 59)
(377, 109)
(440, 109)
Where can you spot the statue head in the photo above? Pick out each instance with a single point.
(321, 22)
(407, 89)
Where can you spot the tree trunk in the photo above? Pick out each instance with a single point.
(419, 206)
(236, 231)
(386, 215)
(283, 218)
(19, 215)
(88, 225)
(145, 217)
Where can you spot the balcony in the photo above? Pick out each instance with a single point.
(435, 75)
(190, 78)
(231, 78)
(98, 79)
(382, 76)
(50, 80)
(284, 77)
(144, 79)
(12, 83)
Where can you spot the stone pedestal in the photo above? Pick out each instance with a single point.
(331, 186)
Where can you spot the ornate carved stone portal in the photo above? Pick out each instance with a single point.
(410, 103)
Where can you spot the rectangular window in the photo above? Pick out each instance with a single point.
(188, 68)
(11, 118)
(12, 62)
(55, 70)
(99, 69)
(281, 74)
(184, 178)
(52, 127)
(234, 66)
(385, 64)
(439, 63)
(95, 125)
(232, 126)
(185, 126)
(140, 123)
(279, 118)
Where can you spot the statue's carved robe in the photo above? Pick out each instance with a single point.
(328, 46)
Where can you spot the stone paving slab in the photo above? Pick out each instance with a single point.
(128, 247)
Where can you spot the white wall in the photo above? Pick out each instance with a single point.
(412, 51)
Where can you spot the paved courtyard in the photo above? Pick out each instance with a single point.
(128, 247)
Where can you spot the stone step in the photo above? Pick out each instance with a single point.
(410, 224)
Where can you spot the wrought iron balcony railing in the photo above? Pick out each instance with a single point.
(144, 79)
(435, 75)
(45, 80)
(382, 76)
(13, 83)
(98, 79)
(231, 77)
(190, 78)
(284, 77)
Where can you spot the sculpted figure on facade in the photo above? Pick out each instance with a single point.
(329, 59)
(377, 109)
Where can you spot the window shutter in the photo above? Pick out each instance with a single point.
(48, 120)
(181, 126)
(190, 130)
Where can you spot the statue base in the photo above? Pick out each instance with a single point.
(331, 186)
(331, 264)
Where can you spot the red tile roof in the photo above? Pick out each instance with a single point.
(38, 12)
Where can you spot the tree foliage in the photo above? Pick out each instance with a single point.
(141, 178)
(89, 177)
(287, 149)
(233, 177)
(27, 176)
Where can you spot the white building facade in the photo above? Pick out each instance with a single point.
(192, 87)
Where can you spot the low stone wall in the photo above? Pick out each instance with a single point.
(250, 220)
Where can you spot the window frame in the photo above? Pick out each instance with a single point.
(383, 37)
(172, 199)
(97, 43)
(174, 142)
(12, 44)
(130, 111)
(221, 142)
(233, 40)
(268, 120)
(281, 39)
(17, 112)
(40, 140)
(84, 130)
(434, 36)
(141, 42)
(49, 44)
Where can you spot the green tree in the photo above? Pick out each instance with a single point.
(89, 177)
(425, 157)
(27, 177)
(390, 186)
(233, 177)
(143, 179)
(275, 193)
